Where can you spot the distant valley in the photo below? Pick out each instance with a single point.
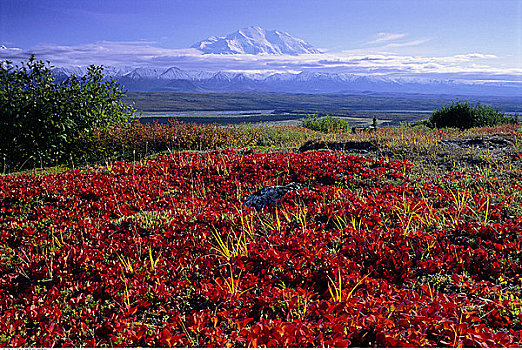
(285, 108)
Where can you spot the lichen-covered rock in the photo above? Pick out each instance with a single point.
(268, 196)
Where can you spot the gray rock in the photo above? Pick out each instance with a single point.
(491, 142)
(269, 196)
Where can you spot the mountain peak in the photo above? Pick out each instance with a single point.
(255, 40)
(251, 31)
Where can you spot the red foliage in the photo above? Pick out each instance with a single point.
(129, 256)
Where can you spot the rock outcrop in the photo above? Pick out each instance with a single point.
(490, 142)
(269, 196)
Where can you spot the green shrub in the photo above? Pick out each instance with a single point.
(460, 114)
(284, 136)
(421, 124)
(326, 124)
(41, 120)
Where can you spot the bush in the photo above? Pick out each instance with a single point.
(326, 124)
(41, 120)
(421, 124)
(460, 114)
(284, 136)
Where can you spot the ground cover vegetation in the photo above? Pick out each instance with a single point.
(396, 237)
(137, 141)
(381, 247)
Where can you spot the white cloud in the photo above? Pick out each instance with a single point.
(385, 37)
(387, 41)
(408, 43)
(470, 56)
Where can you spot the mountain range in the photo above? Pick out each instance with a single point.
(175, 79)
(257, 41)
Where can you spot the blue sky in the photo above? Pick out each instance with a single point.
(446, 37)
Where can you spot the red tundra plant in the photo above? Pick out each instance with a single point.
(164, 254)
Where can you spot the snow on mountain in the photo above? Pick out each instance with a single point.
(255, 40)
(3, 47)
(144, 73)
(279, 77)
(201, 75)
(116, 71)
(174, 73)
(66, 71)
(257, 76)
(62, 73)
(224, 76)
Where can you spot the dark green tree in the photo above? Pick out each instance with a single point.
(41, 119)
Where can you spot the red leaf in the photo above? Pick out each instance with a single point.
(166, 338)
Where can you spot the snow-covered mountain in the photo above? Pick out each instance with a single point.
(255, 40)
(174, 73)
(145, 73)
(179, 80)
(64, 72)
